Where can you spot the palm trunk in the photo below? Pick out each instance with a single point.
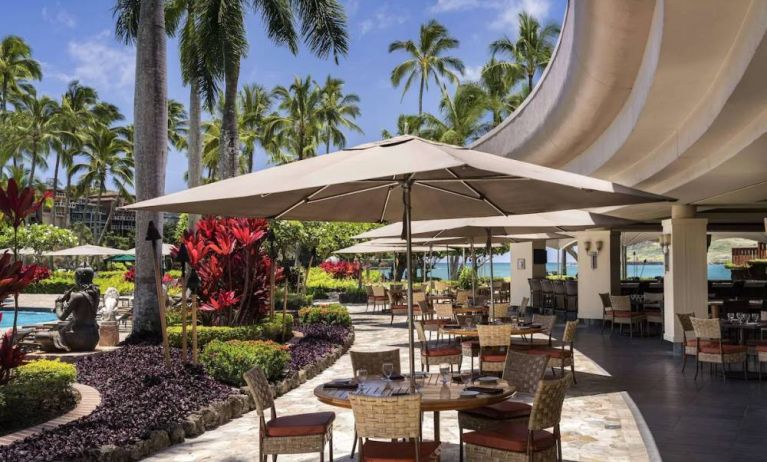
(420, 96)
(55, 186)
(108, 220)
(151, 151)
(194, 147)
(529, 83)
(230, 146)
(34, 164)
(67, 198)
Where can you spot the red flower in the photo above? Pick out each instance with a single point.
(196, 249)
(13, 277)
(341, 269)
(39, 272)
(220, 301)
(224, 245)
(130, 275)
(17, 204)
(247, 236)
(11, 357)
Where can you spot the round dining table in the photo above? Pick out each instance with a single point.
(472, 332)
(435, 396)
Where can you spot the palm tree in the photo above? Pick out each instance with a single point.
(407, 124)
(461, 120)
(532, 50)
(106, 158)
(337, 111)
(178, 125)
(426, 60)
(37, 127)
(222, 31)
(298, 126)
(499, 83)
(16, 67)
(256, 105)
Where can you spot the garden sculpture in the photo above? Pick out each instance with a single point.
(81, 332)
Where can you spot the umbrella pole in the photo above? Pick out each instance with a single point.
(473, 274)
(492, 289)
(409, 256)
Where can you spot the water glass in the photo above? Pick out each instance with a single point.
(754, 317)
(444, 372)
(731, 317)
(466, 378)
(388, 370)
(362, 375)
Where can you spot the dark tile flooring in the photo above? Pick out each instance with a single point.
(691, 420)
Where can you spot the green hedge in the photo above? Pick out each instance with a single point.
(331, 314)
(268, 330)
(354, 296)
(39, 391)
(227, 361)
(320, 279)
(295, 301)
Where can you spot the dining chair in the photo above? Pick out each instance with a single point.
(531, 441)
(393, 418)
(688, 337)
(521, 371)
(494, 343)
(571, 298)
(546, 321)
(293, 434)
(607, 311)
(429, 356)
(711, 349)
(400, 308)
(443, 311)
(371, 297)
(379, 296)
(652, 306)
(622, 314)
(563, 355)
(462, 298)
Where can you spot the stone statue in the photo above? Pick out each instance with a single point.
(111, 297)
(81, 333)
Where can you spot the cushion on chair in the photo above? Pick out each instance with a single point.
(511, 438)
(627, 314)
(552, 352)
(436, 322)
(315, 423)
(713, 348)
(400, 451)
(470, 344)
(504, 410)
(762, 348)
(494, 358)
(442, 351)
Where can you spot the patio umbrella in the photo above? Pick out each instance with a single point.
(166, 249)
(394, 179)
(86, 251)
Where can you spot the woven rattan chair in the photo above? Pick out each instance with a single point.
(379, 296)
(571, 298)
(622, 314)
(563, 355)
(499, 310)
(401, 308)
(688, 337)
(546, 321)
(391, 418)
(525, 442)
(371, 298)
(536, 294)
(711, 349)
(652, 305)
(523, 372)
(373, 361)
(430, 356)
(293, 434)
(444, 312)
(607, 311)
(462, 297)
(547, 290)
(493, 345)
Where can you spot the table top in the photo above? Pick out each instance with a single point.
(435, 396)
(471, 309)
(463, 332)
(747, 325)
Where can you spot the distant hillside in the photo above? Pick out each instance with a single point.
(718, 252)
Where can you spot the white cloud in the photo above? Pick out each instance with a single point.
(472, 73)
(381, 19)
(58, 16)
(443, 6)
(506, 11)
(351, 7)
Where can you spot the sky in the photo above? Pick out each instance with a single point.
(74, 39)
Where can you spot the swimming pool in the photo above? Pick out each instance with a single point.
(26, 317)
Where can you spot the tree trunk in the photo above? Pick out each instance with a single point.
(34, 164)
(67, 199)
(230, 145)
(55, 187)
(194, 153)
(529, 83)
(151, 150)
(420, 96)
(106, 222)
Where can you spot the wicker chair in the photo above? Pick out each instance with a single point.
(499, 310)
(536, 294)
(493, 345)
(607, 310)
(371, 297)
(561, 356)
(531, 442)
(521, 371)
(622, 314)
(571, 298)
(401, 308)
(391, 418)
(546, 322)
(379, 296)
(652, 305)
(711, 349)
(559, 296)
(690, 342)
(294, 434)
(547, 292)
(430, 356)
(444, 313)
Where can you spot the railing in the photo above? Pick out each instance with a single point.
(742, 255)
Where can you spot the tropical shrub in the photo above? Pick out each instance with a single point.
(341, 269)
(330, 314)
(39, 391)
(276, 329)
(227, 361)
(295, 301)
(319, 278)
(353, 296)
(465, 277)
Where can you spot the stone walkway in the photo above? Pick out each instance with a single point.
(599, 422)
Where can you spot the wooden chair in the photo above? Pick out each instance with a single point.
(462, 297)
(689, 341)
(711, 349)
(294, 434)
(430, 356)
(563, 355)
(494, 343)
(401, 308)
(622, 314)
(391, 418)
(652, 305)
(522, 371)
(379, 296)
(525, 442)
(607, 311)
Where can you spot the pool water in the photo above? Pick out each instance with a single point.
(26, 317)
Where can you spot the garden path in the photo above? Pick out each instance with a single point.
(599, 421)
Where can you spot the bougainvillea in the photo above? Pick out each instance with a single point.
(341, 269)
(233, 267)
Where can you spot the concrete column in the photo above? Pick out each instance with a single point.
(523, 267)
(686, 281)
(604, 278)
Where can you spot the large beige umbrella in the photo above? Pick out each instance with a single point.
(86, 251)
(166, 250)
(394, 179)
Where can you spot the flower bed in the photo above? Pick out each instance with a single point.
(319, 341)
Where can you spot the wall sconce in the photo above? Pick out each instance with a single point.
(592, 250)
(665, 244)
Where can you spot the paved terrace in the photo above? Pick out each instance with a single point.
(600, 422)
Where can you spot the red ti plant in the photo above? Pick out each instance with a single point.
(13, 278)
(233, 268)
(341, 269)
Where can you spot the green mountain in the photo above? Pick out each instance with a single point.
(720, 250)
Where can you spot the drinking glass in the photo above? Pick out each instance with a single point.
(388, 370)
(466, 378)
(754, 317)
(731, 317)
(741, 317)
(444, 372)
(362, 375)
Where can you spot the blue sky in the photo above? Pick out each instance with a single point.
(73, 39)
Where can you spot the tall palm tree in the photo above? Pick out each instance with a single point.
(106, 158)
(407, 124)
(256, 106)
(298, 127)
(461, 115)
(337, 111)
(222, 31)
(499, 83)
(37, 127)
(16, 67)
(532, 50)
(178, 125)
(426, 60)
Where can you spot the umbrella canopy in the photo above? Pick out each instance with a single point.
(550, 222)
(86, 251)
(122, 258)
(366, 247)
(166, 249)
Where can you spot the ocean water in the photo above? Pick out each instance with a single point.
(716, 271)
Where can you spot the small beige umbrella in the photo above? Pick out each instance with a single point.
(392, 179)
(86, 251)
